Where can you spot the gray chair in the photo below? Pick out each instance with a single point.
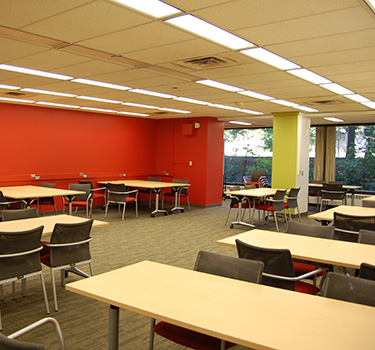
(292, 202)
(149, 191)
(348, 288)
(366, 236)
(4, 203)
(46, 200)
(20, 259)
(332, 192)
(117, 194)
(19, 214)
(10, 342)
(315, 191)
(181, 191)
(82, 200)
(278, 268)
(97, 193)
(216, 264)
(367, 271)
(68, 248)
(347, 227)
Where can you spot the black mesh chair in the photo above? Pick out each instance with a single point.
(46, 200)
(278, 268)
(117, 194)
(332, 192)
(149, 191)
(4, 203)
(20, 259)
(216, 264)
(18, 214)
(68, 248)
(10, 342)
(366, 237)
(80, 200)
(181, 191)
(315, 191)
(347, 227)
(97, 193)
(292, 202)
(367, 271)
(348, 288)
(245, 203)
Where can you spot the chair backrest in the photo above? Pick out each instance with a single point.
(367, 271)
(349, 288)
(279, 197)
(234, 200)
(25, 247)
(303, 229)
(81, 187)
(263, 181)
(85, 182)
(231, 267)
(48, 184)
(366, 236)
(332, 191)
(347, 226)
(256, 174)
(249, 187)
(276, 262)
(13, 344)
(151, 178)
(71, 235)
(246, 178)
(115, 193)
(184, 189)
(18, 214)
(292, 197)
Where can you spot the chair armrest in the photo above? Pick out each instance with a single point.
(98, 189)
(275, 200)
(59, 245)
(11, 202)
(37, 325)
(21, 253)
(297, 278)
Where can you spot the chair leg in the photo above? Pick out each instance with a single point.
(106, 210)
(276, 222)
(152, 335)
(54, 290)
(123, 212)
(228, 215)
(23, 287)
(44, 292)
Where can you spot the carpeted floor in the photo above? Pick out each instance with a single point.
(173, 239)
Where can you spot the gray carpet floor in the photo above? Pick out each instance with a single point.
(173, 239)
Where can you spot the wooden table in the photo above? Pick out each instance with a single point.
(249, 314)
(368, 202)
(156, 186)
(320, 250)
(327, 215)
(47, 221)
(253, 192)
(28, 193)
(350, 188)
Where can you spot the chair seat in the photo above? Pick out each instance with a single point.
(307, 288)
(301, 268)
(244, 205)
(188, 338)
(268, 207)
(98, 195)
(77, 204)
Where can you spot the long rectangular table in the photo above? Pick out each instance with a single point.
(350, 188)
(28, 193)
(328, 215)
(320, 250)
(254, 193)
(249, 314)
(156, 186)
(47, 221)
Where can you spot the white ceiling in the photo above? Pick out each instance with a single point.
(106, 41)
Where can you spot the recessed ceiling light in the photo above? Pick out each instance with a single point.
(369, 104)
(285, 103)
(101, 84)
(98, 109)
(358, 98)
(139, 105)
(151, 93)
(9, 87)
(191, 100)
(309, 76)
(338, 89)
(306, 109)
(15, 100)
(56, 104)
(48, 92)
(270, 58)
(209, 31)
(255, 95)
(239, 122)
(132, 113)
(219, 85)
(173, 110)
(153, 8)
(332, 119)
(34, 72)
(97, 99)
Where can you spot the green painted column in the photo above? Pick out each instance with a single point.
(290, 162)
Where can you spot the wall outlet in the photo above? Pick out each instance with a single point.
(33, 176)
(122, 175)
(37, 177)
(190, 163)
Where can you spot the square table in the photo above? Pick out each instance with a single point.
(156, 186)
(249, 314)
(319, 250)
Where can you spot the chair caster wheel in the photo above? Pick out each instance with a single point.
(182, 210)
(231, 226)
(165, 213)
(152, 215)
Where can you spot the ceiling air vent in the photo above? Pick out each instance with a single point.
(325, 102)
(14, 93)
(205, 62)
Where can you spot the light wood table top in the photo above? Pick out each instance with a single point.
(47, 221)
(320, 250)
(249, 314)
(345, 187)
(327, 215)
(145, 183)
(253, 192)
(29, 191)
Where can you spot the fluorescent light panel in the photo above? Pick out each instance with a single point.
(333, 119)
(219, 85)
(336, 88)
(9, 87)
(270, 58)
(132, 113)
(48, 92)
(369, 104)
(358, 98)
(218, 105)
(98, 99)
(306, 109)
(173, 110)
(139, 105)
(309, 76)
(191, 100)
(255, 95)
(285, 103)
(151, 93)
(15, 100)
(239, 122)
(101, 84)
(153, 8)
(209, 31)
(98, 109)
(34, 72)
(56, 104)
(248, 111)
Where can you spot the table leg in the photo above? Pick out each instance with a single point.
(114, 313)
(177, 205)
(157, 210)
(240, 222)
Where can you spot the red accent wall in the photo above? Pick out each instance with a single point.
(58, 145)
